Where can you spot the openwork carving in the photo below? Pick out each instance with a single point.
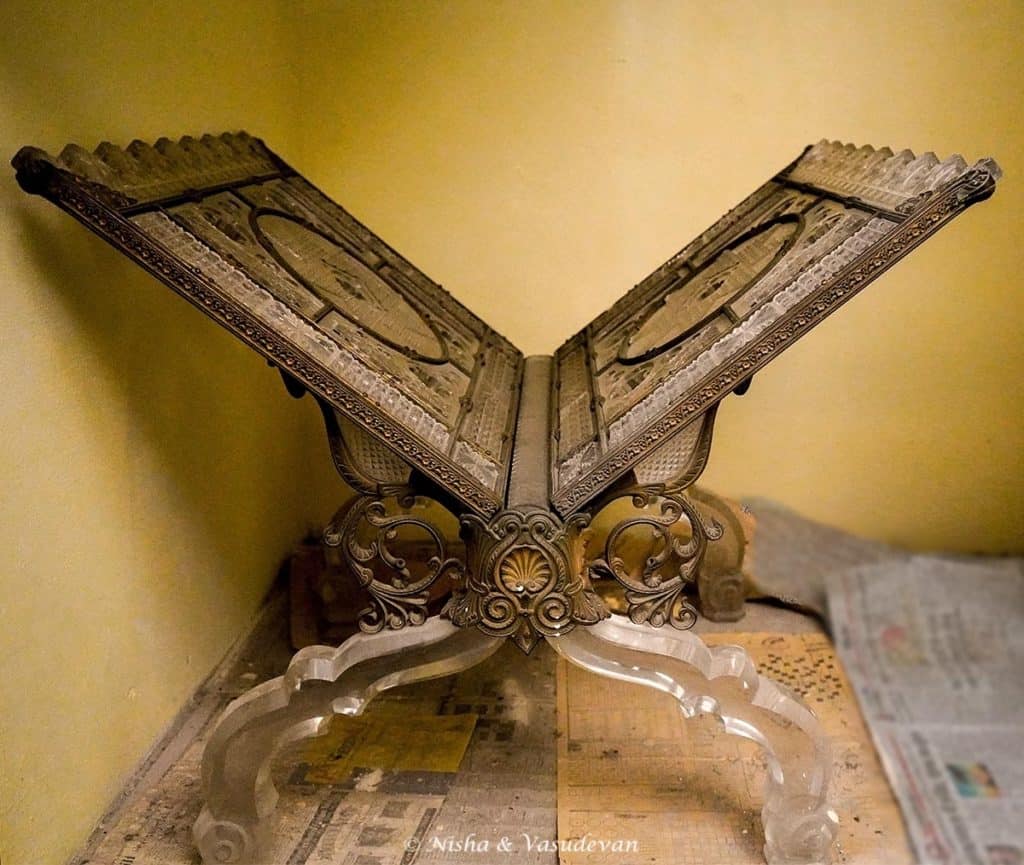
(661, 554)
(659, 575)
(525, 577)
(400, 598)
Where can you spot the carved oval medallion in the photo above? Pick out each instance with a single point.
(347, 286)
(711, 288)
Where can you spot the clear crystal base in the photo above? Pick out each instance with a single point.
(320, 682)
(799, 825)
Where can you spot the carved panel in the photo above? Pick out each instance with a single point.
(228, 224)
(721, 308)
(575, 413)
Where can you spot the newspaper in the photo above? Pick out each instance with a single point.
(934, 648)
(431, 773)
(687, 793)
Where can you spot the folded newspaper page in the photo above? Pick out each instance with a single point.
(934, 648)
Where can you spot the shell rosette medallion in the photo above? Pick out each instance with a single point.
(525, 577)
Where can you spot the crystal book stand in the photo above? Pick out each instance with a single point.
(424, 401)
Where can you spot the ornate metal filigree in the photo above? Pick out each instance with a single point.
(401, 598)
(657, 580)
(525, 576)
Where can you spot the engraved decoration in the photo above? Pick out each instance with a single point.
(763, 275)
(226, 223)
(525, 577)
(400, 598)
(656, 580)
(346, 286)
(223, 221)
(420, 396)
(711, 289)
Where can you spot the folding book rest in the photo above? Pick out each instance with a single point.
(423, 401)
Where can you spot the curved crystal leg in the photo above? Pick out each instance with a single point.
(799, 825)
(321, 681)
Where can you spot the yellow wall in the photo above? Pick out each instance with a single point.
(155, 473)
(538, 159)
